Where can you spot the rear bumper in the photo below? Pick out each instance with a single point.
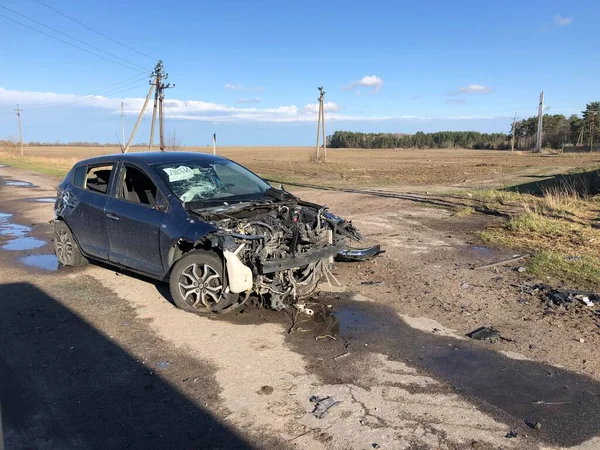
(301, 260)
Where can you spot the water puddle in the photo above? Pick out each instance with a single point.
(42, 200)
(481, 250)
(18, 234)
(11, 229)
(17, 183)
(23, 243)
(46, 262)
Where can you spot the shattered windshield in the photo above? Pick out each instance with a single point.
(196, 181)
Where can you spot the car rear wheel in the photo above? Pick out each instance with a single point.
(197, 283)
(66, 249)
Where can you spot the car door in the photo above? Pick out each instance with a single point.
(135, 212)
(84, 209)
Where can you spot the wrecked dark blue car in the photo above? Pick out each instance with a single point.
(216, 231)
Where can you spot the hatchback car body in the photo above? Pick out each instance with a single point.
(216, 231)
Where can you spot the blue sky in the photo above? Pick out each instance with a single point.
(249, 70)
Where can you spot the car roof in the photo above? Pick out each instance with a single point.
(154, 158)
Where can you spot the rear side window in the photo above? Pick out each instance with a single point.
(79, 176)
(97, 178)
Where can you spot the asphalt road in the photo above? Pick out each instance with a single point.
(95, 358)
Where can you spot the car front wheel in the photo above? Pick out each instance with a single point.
(197, 282)
(66, 249)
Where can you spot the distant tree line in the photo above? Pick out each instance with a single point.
(557, 130)
(440, 139)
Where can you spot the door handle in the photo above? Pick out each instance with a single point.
(112, 217)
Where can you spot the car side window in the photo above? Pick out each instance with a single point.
(79, 176)
(97, 178)
(137, 187)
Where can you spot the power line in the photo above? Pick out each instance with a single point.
(71, 44)
(75, 39)
(95, 31)
(110, 87)
(89, 97)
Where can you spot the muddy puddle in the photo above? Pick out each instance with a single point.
(517, 392)
(18, 183)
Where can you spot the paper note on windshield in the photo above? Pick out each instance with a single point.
(179, 173)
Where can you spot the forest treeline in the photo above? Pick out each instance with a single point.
(557, 130)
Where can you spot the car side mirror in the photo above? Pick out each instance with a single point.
(161, 204)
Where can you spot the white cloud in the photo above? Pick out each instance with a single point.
(234, 87)
(372, 82)
(562, 21)
(259, 88)
(473, 89)
(196, 109)
(248, 100)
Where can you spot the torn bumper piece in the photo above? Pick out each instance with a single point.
(300, 260)
(348, 254)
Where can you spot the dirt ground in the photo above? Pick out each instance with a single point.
(405, 169)
(98, 358)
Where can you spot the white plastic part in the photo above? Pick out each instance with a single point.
(302, 308)
(238, 273)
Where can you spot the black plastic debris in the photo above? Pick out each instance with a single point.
(349, 254)
(372, 283)
(561, 297)
(484, 334)
(511, 434)
(322, 405)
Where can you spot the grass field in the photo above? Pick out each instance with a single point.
(402, 168)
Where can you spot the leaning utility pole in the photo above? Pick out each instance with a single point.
(538, 144)
(514, 131)
(19, 111)
(137, 123)
(321, 119)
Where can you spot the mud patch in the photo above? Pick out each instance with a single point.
(45, 262)
(18, 183)
(510, 390)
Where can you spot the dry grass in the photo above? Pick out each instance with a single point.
(559, 227)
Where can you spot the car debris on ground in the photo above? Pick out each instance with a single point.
(322, 405)
(561, 297)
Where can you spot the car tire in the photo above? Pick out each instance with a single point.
(197, 282)
(65, 247)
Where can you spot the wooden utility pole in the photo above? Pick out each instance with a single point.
(137, 123)
(321, 119)
(156, 95)
(214, 143)
(160, 119)
(122, 124)
(538, 144)
(19, 111)
(514, 133)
